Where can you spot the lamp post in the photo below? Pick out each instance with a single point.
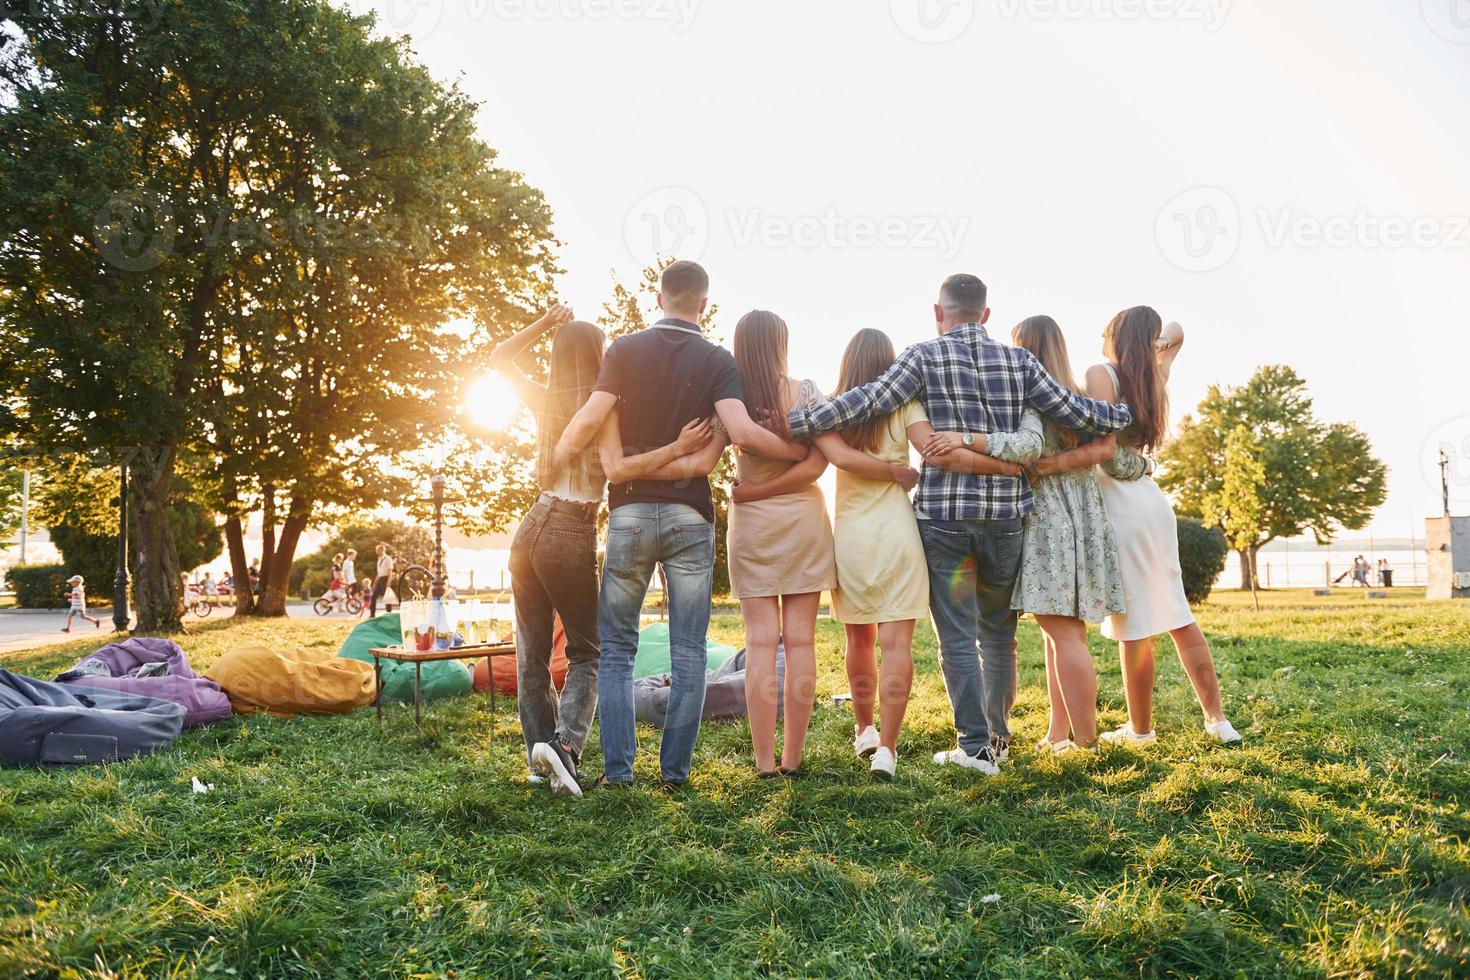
(120, 581)
(436, 484)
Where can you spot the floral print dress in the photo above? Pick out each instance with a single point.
(1069, 558)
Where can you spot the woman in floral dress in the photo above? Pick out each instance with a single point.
(1069, 560)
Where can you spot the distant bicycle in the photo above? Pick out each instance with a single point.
(327, 604)
(197, 604)
(415, 583)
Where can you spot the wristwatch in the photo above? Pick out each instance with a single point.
(968, 440)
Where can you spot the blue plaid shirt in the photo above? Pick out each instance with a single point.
(967, 383)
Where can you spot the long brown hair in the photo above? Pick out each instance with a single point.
(761, 339)
(1129, 343)
(869, 353)
(576, 359)
(1042, 336)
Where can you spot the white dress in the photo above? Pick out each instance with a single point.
(1148, 550)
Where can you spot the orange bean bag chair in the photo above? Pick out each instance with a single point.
(292, 682)
(503, 669)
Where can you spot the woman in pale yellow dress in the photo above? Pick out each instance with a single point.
(780, 550)
(882, 578)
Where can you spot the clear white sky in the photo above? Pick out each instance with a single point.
(832, 160)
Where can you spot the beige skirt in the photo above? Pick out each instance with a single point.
(781, 546)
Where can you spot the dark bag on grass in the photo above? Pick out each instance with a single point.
(57, 724)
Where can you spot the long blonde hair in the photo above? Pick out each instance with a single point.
(1043, 338)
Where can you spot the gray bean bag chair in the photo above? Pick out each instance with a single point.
(724, 691)
(57, 724)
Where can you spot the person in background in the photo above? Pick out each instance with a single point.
(1385, 574)
(349, 571)
(1360, 571)
(1140, 352)
(365, 589)
(553, 556)
(255, 577)
(780, 551)
(77, 603)
(661, 380)
(380, 582)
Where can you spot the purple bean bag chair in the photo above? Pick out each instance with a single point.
(48, 724)
(154, 668)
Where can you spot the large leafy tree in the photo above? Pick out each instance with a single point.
(239, 231)
(1317, 476)
(1236, 507)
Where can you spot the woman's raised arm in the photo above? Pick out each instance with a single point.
(503, 356)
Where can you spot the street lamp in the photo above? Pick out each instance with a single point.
(120, 581)
(436, 484)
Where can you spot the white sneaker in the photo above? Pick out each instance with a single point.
(982, 762)
(884, 763)
(1001, 747)
(549, 764)
(1068, 747)
(1124, 734)
(1223, 731)
(866, 742)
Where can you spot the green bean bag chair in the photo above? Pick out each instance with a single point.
(441, 679)
(653, 652)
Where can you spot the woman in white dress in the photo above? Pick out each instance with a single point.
(1140, 353)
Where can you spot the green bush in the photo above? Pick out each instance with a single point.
(1202, 553)
(38, 586)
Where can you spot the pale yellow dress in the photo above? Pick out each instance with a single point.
(881, 573)
(780, 545)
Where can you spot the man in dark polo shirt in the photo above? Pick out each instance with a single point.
(659, 380)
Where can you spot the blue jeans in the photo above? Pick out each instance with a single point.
(972, 573)
(640, 536)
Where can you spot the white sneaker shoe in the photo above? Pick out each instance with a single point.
(981, 762)
(884, 763)
(549, 764)
(866, 742)
(1001, 747)
(1125, 735)
(1223, 731)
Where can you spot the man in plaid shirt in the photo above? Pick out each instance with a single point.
(970, 385)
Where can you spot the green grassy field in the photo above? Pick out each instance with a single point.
(1335, 843)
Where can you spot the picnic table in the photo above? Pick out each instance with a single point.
(420, 657)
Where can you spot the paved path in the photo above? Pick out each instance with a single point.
(26, 630)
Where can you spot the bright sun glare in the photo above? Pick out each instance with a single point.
(492, 403)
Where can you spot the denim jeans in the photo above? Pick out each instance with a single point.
(972, 573)
(553, 568)
(640, 536)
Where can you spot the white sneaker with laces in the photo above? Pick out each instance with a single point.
(866, 742)
(1223, 731)
(982, 762)
(1124, 734)
(1001, 747)
(884, 763)
(549, 764)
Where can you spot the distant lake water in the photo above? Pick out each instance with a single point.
(1293, 565)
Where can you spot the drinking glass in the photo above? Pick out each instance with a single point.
(411, 615)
